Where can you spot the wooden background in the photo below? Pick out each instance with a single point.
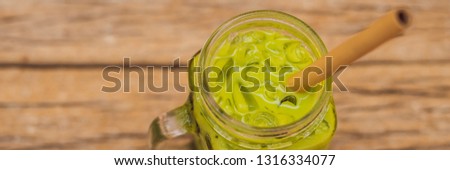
(52, 53)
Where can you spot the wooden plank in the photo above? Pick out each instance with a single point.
(394, 106)
(66, 109)
(159, 31)
(386, 108)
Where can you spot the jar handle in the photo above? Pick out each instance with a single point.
(169, 130)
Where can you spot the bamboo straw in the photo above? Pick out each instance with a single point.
(383, 29)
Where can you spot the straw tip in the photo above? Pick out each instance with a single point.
(403, 17)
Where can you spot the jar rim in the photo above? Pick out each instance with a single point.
(220, 117)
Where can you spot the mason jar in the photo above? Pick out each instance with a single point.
(201, 124)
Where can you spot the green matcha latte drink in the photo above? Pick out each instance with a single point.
(239, 98)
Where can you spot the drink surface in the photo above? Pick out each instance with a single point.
(250, 85)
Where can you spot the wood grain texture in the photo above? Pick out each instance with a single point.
(52, 54)
(65, 109)
(158, 31)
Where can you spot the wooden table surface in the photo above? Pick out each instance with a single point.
(52, 54)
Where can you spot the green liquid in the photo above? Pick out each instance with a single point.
(268, 104)
(272, 56)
